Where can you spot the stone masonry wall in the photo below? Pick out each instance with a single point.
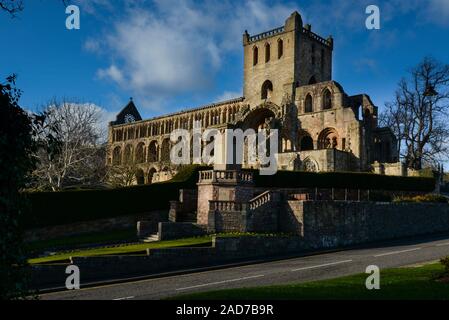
(178, 230)
(326, 224)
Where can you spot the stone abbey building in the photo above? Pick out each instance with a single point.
(287, 83)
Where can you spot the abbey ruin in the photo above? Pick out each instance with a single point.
(287, 83)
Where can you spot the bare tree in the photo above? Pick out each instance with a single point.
(11, 6)
(419, 114)
(80, 155)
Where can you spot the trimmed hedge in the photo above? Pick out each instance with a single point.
(58, 208)
(350, 180)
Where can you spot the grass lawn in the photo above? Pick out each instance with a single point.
(123, 249)
(401, 283)
(73, 241)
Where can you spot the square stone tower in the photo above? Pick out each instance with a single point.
(279, 60)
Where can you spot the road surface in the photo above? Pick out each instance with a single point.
(293, 270)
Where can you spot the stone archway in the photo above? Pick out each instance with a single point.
(151, 174)
(260, 116)
(328, 139)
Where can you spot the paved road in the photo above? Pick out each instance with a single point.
(322, 266)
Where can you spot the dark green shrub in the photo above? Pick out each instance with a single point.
(435, 198)
(56, 208)
(445, 263)
(350, 180)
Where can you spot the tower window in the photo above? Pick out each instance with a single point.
(267, 52)
(280, 48)
(267, 89)
(255, 56)
(308, 104)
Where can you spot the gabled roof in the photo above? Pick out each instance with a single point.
(128, 114)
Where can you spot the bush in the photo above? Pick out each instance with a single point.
(350, 180)
(445, 263)
(436, 198)
(56, 208)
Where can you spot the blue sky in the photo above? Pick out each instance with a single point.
(171, 55)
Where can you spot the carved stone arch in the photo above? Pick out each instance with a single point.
(310, 165)
(328, 139)
(254, 118)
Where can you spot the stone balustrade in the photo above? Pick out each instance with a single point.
(226, 206)
(225, 176)
(260, 200)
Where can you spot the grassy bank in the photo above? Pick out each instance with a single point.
(422, 282)
(84, 239)
(122, 249)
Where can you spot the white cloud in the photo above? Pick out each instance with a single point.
(228, 95)
(178, 46)
(112, 73)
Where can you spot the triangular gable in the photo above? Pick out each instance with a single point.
(128, 114)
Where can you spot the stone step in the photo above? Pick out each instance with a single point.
(152, 238)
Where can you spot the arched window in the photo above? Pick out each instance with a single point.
(165, 150)
(153, 152)
(255, 56)
(312, 80)
(117, 156)
(267, 52)
(327, 100)
(306, 143)
(308, 107)
(140, 153)
(140, 177)
(128, 156)
(280, 48)
(267, 90)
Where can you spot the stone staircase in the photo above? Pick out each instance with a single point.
(151, 238)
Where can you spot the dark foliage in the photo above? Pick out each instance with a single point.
(16, 162)
(56, 208)
(350, 180)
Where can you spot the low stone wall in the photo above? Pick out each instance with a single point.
(326, 224)
(101, 225)
(178, 230)
(223, 250)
